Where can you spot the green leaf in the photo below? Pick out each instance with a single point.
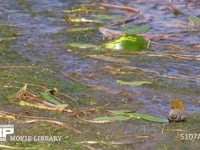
(194, 21)
(85, 9)
(120, 112)
(80, 20)
(135, 83)
(83, 46)
(46, 96)
(112, 118)
(127, 42)
(82, 29)
(137, 29)
(146, 117)
(102, 16)
(131, 114)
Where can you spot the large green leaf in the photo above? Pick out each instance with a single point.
(130, 42)
(135, 83)
(146, 117)
(112, 118)
(131, 114)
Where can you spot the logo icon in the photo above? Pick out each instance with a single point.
(5, 130)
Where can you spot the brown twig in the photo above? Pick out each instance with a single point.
(51, 122)
(38, 119)
(125, 8)
(161, 54)
(15, 67)
(123, 21)
(93, 121)
(67, 96)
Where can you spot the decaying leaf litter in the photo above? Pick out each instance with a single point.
(117, 63)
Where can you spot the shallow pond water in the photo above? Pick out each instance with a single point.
(42, 42)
